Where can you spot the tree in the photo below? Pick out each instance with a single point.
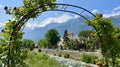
(53, 37)
(84, 33)
(43, 43)
(88, 38)
(66, 39)
(73, 44)
(26, 43)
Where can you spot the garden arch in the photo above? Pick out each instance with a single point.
(63, 8)
(12, 33)
(34, 12)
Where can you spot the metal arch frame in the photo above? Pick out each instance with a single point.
(61, 9)
(69, 5)
(75, 7)
(58, 9)
(69, 12)
(26, 17)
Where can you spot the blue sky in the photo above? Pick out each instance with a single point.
(107, 7)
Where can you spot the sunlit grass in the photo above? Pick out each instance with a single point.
(41, 60)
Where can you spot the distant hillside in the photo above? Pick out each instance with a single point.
(74, 25)
(116, 21)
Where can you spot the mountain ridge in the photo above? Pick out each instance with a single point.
(73, 25)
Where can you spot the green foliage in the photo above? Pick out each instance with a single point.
(72, 44)
(90, 47)
(109, 38)
(43, 43)
(39, 50)
(88, 58)
(26, 43)
(66, 55)
(11, 45)
(84, 33)
(11, 36)
(31, 8)
(41, 60)
(65, 37)
(53, 37)
(66, 40)
(59, 55)
(2, 48)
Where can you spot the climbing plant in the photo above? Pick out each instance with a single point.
(11, 54)
(109, 38)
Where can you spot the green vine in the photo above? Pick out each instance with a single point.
(109, 37)
(11, 54)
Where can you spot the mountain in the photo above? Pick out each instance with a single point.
(116, 21)
(74, 25)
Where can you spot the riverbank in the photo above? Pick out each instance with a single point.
(72, 63)
(75, 55)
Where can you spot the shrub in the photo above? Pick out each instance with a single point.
(55, 54)
(93, 59)
(88, 58)
(66, 55)
(43, 43)
(31, 48)
(59, 55)
(85, 58)
(39, 50)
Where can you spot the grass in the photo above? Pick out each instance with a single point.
(41, 60)
(89, 58)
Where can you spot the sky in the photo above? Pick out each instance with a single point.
(107, 7)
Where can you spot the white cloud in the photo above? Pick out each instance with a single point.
(1, 6)
(61, 19)
(95, 11)
(117, 8)
(32, 25)
(112, 15)
(115, 12)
